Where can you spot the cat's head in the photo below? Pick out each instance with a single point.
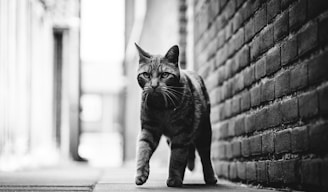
(159, 75)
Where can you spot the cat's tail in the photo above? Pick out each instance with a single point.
(191, 158)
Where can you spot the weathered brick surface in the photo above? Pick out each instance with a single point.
(282, 142)
(268, 143)
(308, 105)
(273, 61)
(265, 67)
(300, 139)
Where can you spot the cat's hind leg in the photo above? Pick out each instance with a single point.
(203, 146)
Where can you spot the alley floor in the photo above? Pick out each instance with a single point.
(84, 178)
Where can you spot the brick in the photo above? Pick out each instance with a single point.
(234, 65)
(222, 74)
(275, 171)
(239, 3)
(308, 105)
(245, 148)
(307, 39)
(256, 47)
(249, 30)
(323, 101)
(242, 57)
(238, 83)
(240, 126)
(318, 68)
(230, 9)
(249, 76)
(251, 171)
(318, 135)
(299, 77)
(225, 169)
(261, 119)
(241, 170)
(262, 172)
(227, 109)
(220, 39)
(282, 84)
(289, 51)
(229, 150)
(289, 168)
(215, 114)
(297, 14)
(255, 144)
(281, 27)
(226, 90)
(237, 21)
(323, 30)
(310, 171)
(256, 95)
(282, 141)
(268, 143)
(250, 123)
(273, 9)
(285, 3)
(260, 19)
(316, 7)
(213, 9)
(231, 130)
(268, 90)
(236, 149)
(273, 61)
(223, 130)
(245, 102)
(266, 39)
(289, 110)
(273, 115)
(227, 70)
(233, 171)
(221, 150)
(300, 139)
(235, 106)
(260, 68)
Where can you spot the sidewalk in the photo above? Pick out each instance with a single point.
(84, 178)
(122, 179)
(73, 177)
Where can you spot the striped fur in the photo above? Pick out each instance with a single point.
(175, 104)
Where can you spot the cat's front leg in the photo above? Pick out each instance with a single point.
(148, 142)
(178, 163)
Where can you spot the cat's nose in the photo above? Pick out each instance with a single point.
(154, 83)
(154, 86)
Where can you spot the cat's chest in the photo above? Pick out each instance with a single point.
(173, 122)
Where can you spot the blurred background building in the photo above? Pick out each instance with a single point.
(40, 81)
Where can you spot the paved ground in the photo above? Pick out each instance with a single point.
(83, 178)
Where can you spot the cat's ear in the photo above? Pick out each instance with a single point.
(173, 54)
(143, 55)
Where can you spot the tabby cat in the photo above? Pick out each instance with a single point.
(175, 104)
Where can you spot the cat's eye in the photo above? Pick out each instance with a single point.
(165, 75)
(146, 75)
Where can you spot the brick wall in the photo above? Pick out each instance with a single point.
(265, 64)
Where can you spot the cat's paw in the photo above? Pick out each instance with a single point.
(174, 182)
(139, 180)
(211, 181)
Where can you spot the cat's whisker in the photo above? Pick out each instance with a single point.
(173, 96)
(170, 98)
(165, 99)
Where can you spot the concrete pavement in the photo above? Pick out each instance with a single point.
(84, 178)
(122, 179)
